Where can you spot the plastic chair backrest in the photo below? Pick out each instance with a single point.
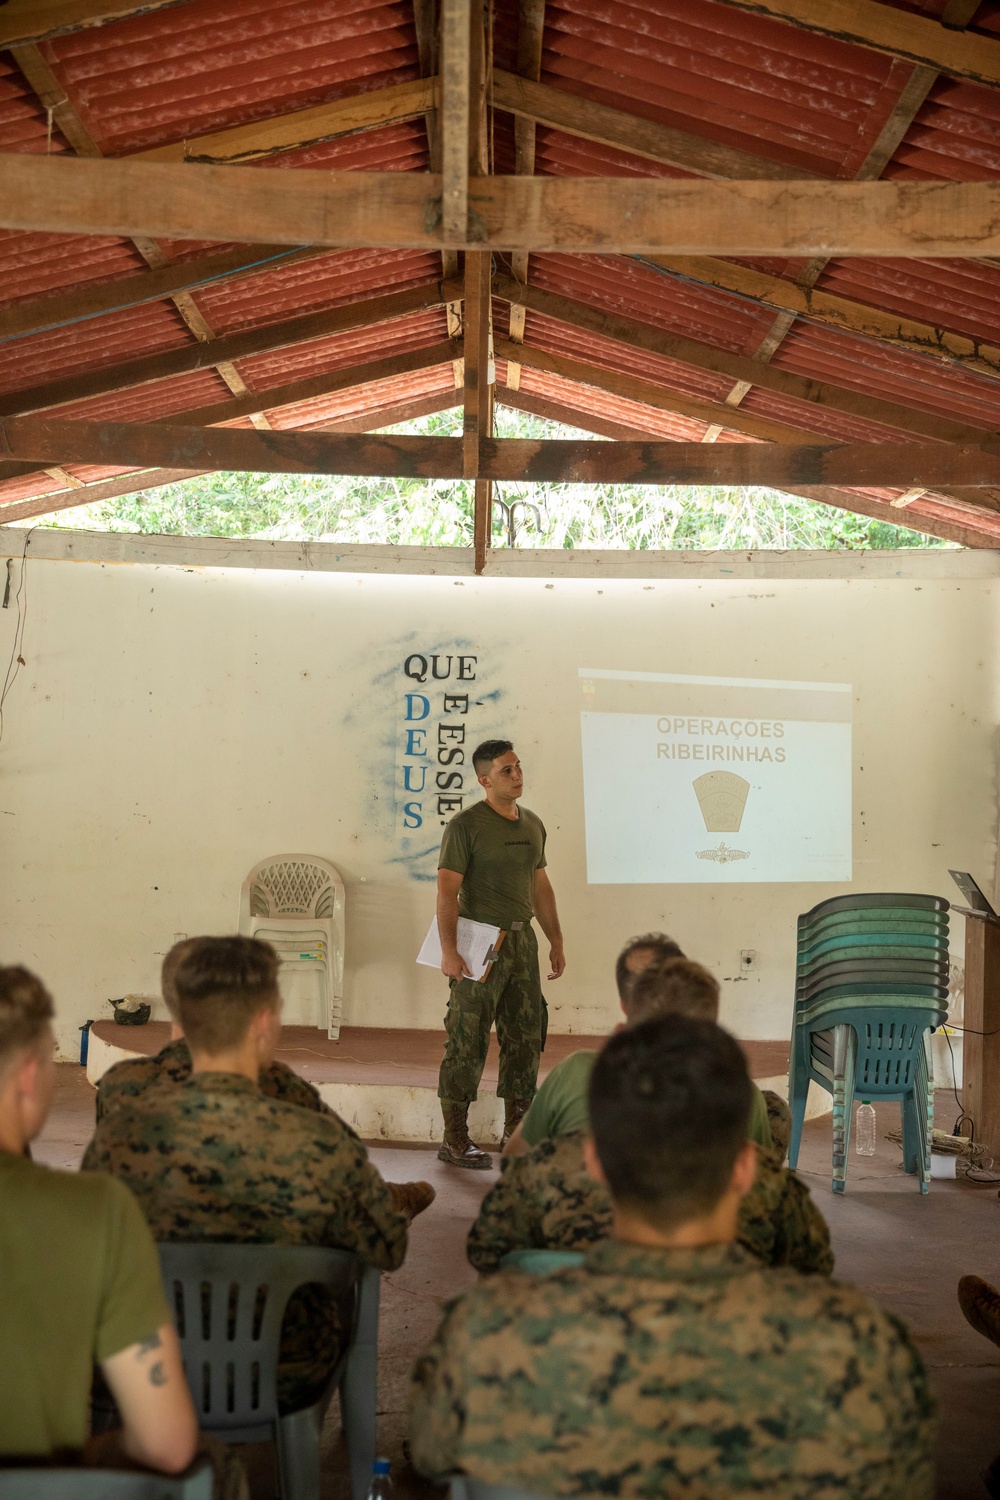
(104, 1484)
(291, 885)
(541, 1262)
(865, 901)
(228, 1302)
(889, 1047)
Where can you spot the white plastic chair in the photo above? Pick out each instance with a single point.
(296, 903)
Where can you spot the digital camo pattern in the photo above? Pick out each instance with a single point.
(694, 1373)
(213, 1159)
(510, 995)
(172, 1064)
(779, 1117)
(545, 1200)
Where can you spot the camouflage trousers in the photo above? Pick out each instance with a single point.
(510, 996)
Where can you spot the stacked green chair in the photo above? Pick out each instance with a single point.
(871, 984)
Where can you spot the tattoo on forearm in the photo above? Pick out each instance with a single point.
(146, 1346)
(157, 1375)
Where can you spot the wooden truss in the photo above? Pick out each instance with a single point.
(734, 203)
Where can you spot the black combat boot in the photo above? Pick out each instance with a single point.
(456, 1147)
(514, 1111)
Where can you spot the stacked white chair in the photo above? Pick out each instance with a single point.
(296, 903)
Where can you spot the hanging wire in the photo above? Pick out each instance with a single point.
(21, 601)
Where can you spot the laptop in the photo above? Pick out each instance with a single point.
(973, 895)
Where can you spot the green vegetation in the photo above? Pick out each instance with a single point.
(420, 512)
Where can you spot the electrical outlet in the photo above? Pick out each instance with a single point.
(748, 960)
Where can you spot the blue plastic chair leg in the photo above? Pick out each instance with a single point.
(845, 1063)
(359, 1388)
(798, 1095)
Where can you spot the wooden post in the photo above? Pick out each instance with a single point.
(981, 1053)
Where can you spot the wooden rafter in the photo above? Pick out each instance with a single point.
(54, 96)
(32, 20)
(530, 34)
(303, 127)
(901, 33)
(83, 302)
(833, 311)
(533, 214)
(637, 335)
(916, 85)
(153, 367)
(539, 103)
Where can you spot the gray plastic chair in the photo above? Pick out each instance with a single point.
(229, 1302)
(463, 1487)
(104, 1484)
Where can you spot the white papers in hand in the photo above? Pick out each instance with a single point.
(476, 943)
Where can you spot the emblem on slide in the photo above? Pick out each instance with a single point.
(723, 855)
(722, 797)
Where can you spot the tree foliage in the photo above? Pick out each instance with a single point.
(421, 512)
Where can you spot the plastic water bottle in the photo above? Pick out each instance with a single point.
(864, 1129)
(381, 1487)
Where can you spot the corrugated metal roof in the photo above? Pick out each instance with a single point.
(797, 98)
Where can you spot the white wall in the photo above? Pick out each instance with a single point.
(171, 727)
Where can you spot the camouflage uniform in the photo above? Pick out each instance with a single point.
(545, 1200)
(511, 996)
(665, 1373)
(172, 1064)
(213, 1159)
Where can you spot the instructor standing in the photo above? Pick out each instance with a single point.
(492, 869)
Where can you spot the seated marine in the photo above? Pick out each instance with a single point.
(560, 1105)
(547, 1200)
(276, 1080)
(212, 1158)
(671, 1363)
(81, 1281)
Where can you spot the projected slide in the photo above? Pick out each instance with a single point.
(714, 779)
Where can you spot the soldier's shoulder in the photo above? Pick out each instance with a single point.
(560, 1152)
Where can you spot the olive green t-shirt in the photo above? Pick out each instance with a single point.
(81, 1281)
(497, 859)
(560, 1106)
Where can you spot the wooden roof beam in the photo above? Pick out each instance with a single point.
(901, 465)
(593, 215)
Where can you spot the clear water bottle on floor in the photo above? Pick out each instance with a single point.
(864, 1129)
(381, 1487)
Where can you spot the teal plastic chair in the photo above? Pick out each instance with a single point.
(871, 983)
(541, 1262)
(875, 1052)
(104, 1484)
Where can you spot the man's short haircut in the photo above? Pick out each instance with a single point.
(25, 1012)
(669, 1110)
(485, 754)
(674, 986)
(660, 946)
(167, 971)
(219, 984)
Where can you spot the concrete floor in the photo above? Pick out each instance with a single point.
(904, 1250)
